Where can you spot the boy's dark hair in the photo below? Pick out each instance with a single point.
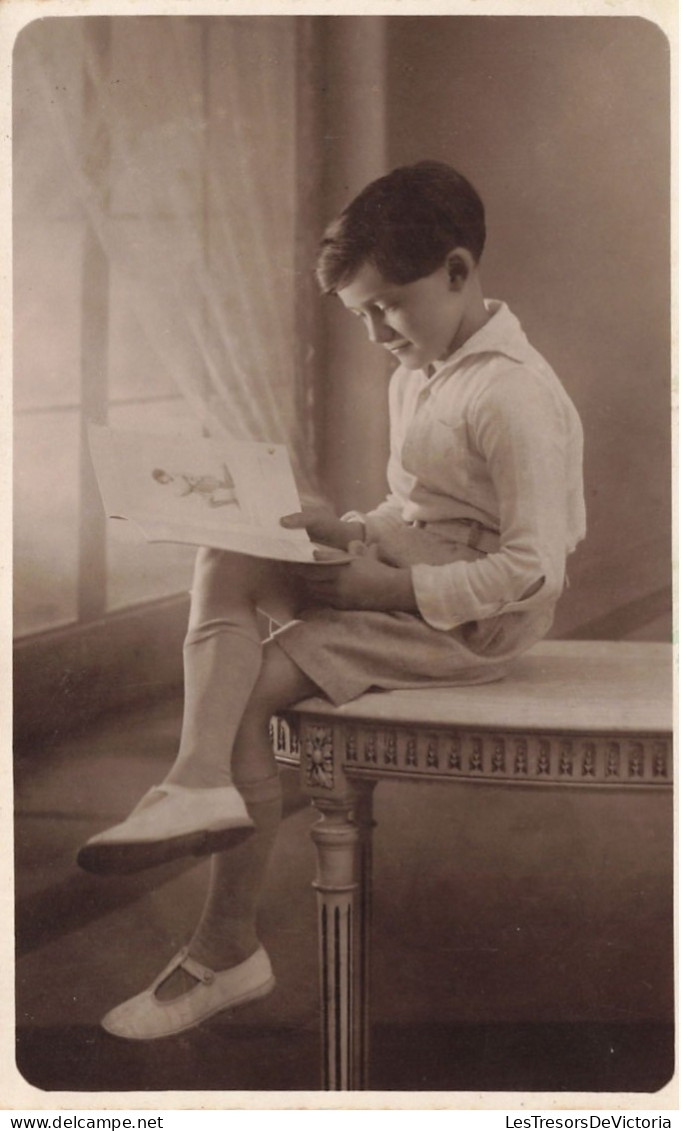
(404, 224)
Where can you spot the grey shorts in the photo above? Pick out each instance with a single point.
(346, 653)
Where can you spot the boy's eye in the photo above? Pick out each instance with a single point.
(382, 310)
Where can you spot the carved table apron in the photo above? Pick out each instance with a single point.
(582, 714)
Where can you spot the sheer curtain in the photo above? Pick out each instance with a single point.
(156, 173)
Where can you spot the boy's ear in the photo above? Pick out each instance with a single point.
(458, 266)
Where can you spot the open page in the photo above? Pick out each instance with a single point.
(227, 494)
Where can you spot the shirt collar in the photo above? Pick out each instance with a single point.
(502, 333)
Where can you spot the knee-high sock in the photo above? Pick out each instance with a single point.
(221, 666)
(227, 930)
(226, 933)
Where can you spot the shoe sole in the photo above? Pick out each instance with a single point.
(245, 999)
(125, 857)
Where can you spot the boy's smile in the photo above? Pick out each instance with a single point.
(419, 322)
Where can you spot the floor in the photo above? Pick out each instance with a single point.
(505, 961)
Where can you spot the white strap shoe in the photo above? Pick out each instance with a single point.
(169, 822)
(145, 1017)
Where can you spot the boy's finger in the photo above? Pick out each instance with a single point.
(363, 549)
(322, 554)
(293, 521)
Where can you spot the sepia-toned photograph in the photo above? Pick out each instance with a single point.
(342, 528)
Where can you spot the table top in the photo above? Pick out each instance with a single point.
(577, 686)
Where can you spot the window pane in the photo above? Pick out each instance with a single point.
(45, 520)
(137, 570)
(156, 317)
(155, 116)
(47, 270)
(47, 110)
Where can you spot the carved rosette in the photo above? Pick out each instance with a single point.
(318, 746)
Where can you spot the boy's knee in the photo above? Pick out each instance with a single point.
(220, 592)
(209, 562)
(280, 683)
(219, 575)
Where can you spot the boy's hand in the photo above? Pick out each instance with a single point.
(361, 583)
(323, 526)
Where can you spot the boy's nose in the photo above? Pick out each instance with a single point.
(378, 330)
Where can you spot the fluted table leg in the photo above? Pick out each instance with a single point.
(363, 818)
(343, 943)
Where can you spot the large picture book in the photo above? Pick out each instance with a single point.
(226, 494)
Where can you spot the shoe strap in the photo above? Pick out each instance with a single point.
(156, 792)
(174, 964)
(197, 970)
(184, 961)
(164, 787)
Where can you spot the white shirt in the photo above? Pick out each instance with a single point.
(492, 436)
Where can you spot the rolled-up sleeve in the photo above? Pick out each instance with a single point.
(518, 426)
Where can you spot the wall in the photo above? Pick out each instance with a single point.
(562, 123)
(524, 904)
(563, 126)
(353, 375)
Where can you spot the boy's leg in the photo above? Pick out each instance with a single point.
(222, 660)
(197, 809)
(226, 934)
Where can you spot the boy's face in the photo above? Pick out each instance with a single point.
(419, 322)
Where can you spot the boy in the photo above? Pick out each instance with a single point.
(451, 577)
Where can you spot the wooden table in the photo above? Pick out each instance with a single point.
(577, 714)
